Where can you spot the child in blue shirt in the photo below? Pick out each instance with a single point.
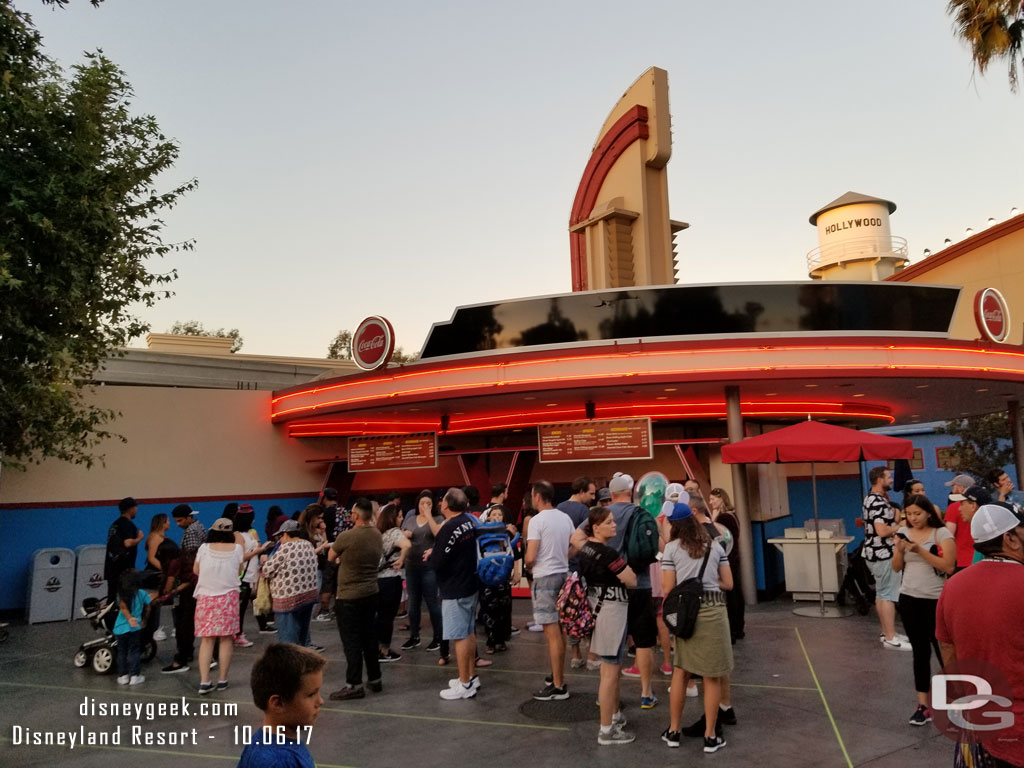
(286, 682)
(134, 605)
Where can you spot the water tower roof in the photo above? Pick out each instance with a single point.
(849, 199)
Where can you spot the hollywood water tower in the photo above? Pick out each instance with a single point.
(854, 242)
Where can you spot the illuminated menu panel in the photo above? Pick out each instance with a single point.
(589, 440)
(378, 452)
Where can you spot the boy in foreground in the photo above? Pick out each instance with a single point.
(286, 684)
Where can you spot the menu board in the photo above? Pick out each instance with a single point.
(588, 440)
(372, 454)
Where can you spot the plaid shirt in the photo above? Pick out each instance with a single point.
(194, 537)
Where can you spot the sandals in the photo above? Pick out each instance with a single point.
(490, 650)
(444, 661)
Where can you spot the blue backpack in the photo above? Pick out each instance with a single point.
(495, 554)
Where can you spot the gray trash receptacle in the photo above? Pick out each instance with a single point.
(51, 585)
(89, 581)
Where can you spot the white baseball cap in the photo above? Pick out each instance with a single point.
(991, 521)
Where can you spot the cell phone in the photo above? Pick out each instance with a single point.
(902, 535)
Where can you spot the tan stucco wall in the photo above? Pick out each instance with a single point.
(999, 265)
(181, 443)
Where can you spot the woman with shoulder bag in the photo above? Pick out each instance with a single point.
(389, 578)
(925, 551)
(243, 522)
(708, 651)
(607, 577)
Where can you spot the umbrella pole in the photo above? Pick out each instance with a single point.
(817, 538)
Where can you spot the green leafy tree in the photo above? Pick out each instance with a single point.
(195, 328)
(79, 223)
(994, 29)
(982, 442)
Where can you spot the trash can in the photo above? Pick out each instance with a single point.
(51, 585)
(89, 581)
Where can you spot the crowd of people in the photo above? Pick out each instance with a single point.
(952, 576)
(358, 566)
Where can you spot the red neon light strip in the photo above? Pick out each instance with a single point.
(667, 371)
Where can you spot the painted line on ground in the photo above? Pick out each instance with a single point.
(435, 718)
(593, 676)
(828, 711)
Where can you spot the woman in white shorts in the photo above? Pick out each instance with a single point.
(607, 577)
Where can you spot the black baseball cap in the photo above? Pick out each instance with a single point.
(978, 495)
(330, 493)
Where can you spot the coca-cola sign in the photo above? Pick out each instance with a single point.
(372, 343)
(992, 315)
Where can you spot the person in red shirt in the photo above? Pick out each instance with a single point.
(958, 521)
(980, 619)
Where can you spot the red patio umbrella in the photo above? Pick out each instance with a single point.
(813, 441)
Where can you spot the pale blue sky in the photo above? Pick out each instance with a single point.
(402, 158)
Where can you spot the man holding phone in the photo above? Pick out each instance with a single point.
(880, 525)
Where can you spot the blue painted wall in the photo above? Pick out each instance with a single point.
(838, 497)
(23, 531)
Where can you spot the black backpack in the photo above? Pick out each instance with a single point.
(682, 604)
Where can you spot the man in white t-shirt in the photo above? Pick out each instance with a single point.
(547, 556)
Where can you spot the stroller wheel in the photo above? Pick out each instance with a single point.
(103, 660)
(148, 651)
(81, 659)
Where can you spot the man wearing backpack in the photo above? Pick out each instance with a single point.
(642, 622)
(547, 555)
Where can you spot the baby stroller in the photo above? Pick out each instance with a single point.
(858, 584)
(101, 652)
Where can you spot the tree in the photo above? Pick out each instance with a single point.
(982, 442)
(341, 349)
(992, 29)
(79, 221)
(195, 328)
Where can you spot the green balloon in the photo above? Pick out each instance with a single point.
(649, 493)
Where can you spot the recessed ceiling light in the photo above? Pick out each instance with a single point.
(551, 405)
(670, 389)
(517, 430)
(661, 397)
(529, 397)
(414, 410)
(983, 389)
(915, 415)
(859, 394)
(770, 394)
(459, 413)
(923, 386)
(810, 386)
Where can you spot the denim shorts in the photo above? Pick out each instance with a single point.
(887, 581)
(458, 617)
(544, 592)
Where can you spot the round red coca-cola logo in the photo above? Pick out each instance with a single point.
(373, 343)
(992, 315)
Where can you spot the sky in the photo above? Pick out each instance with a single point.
(405, 158)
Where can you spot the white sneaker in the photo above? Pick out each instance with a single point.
(137, 680)
(123, 680)
(692, 692)
(159, 634)
(459, 691)
(475, 682)
(896, 644)
(535, 627)
(897, 635)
